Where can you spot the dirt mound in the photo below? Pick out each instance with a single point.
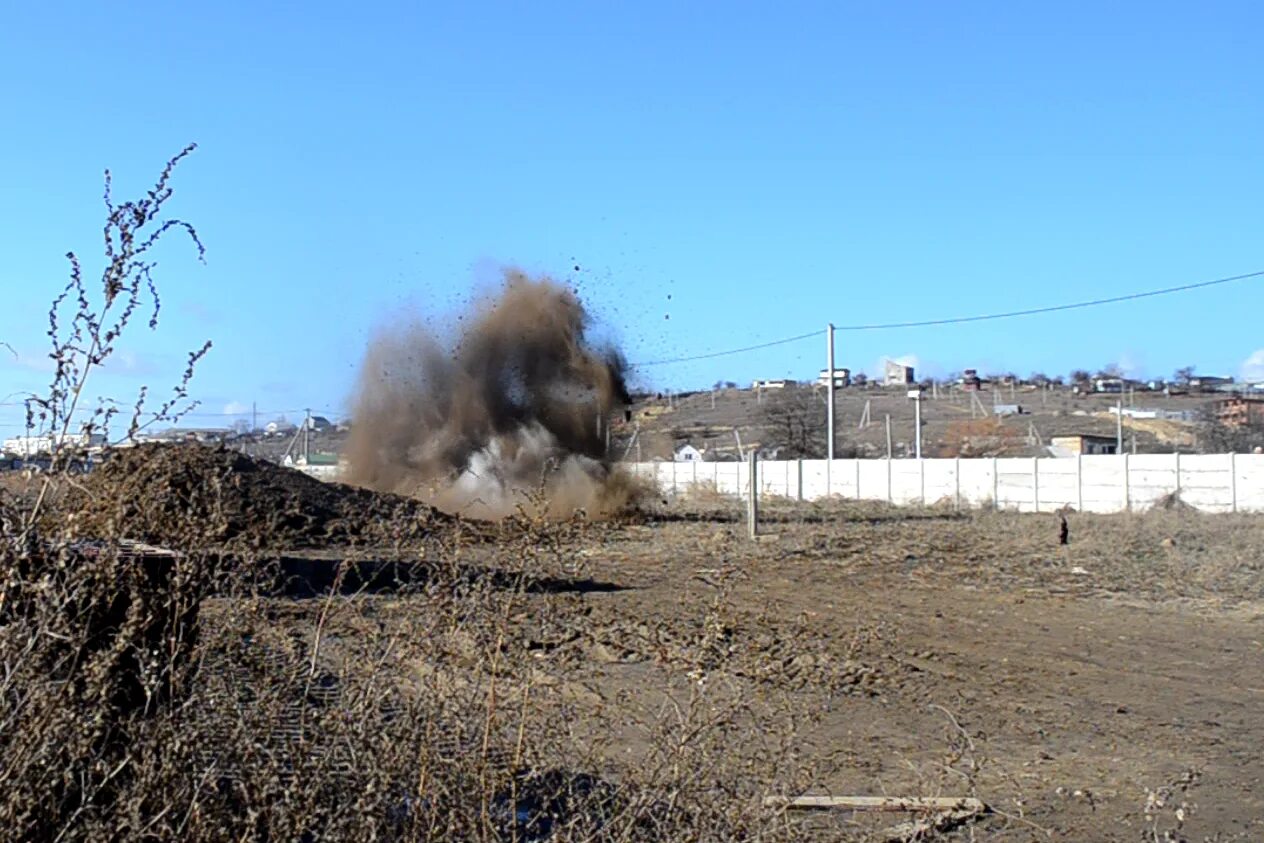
(182, 495)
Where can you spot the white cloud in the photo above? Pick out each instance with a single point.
(1253, 366)
(236, 408)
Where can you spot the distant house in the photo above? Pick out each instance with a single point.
(688, 453)
(769, 384)
(1083, 444)
(196, 434)
(279, 428)
(1209, 383)
(32, 446)
(970, 381)
(1108, 386)
(842, 378)
(319, 423)
(896, 374)
(1240, 412)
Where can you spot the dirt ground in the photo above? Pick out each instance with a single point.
(949, 654)
(1129, 660)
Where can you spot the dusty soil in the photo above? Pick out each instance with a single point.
(173, 494)
(944, 654)
(1084, 675)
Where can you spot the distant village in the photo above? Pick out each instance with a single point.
(281, 440)
(314, 443)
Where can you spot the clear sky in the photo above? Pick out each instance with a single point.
(721, 174)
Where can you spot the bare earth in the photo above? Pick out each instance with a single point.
(932, 653)
(1130, 660)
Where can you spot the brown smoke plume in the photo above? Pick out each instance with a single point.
(506, 415)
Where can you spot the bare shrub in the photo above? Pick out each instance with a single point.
(431, 687)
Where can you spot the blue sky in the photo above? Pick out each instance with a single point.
(721, 174)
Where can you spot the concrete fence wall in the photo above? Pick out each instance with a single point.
(1212, 482)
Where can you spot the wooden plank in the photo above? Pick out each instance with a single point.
(906, 804)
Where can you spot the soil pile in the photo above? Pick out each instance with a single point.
(188, 495)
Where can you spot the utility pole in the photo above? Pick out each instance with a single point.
(829, 375)
(307, 436)
(888, 436)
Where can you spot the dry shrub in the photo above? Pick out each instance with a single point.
(180, 694)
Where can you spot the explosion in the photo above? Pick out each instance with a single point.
(514, 413)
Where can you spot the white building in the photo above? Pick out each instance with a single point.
(688, 453)
(34, 446)
(896, 374)
(842, 378)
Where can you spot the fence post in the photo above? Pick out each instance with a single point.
(1127, 486)
(856, 464)
(799, 481)
(1178, 474)
(1035, 482)
(1233, 481)
(921, 475)
(996, 487)
(752, 505)
(890, 493)
(1079, 482)
(673, 476)
(956, 495)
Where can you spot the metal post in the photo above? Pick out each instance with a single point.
(888, 436)
(829, 376)
(917, 422)
(307, 433)
(1079, 482)
(956, 497)
(1035, 482)
(1233, 481)
(1127, 486)
(1119, 426)
(1178, 474)
(752, 505)
(996, 486)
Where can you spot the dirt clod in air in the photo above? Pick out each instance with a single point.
(511, 412)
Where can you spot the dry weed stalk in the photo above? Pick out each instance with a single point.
(432, 691)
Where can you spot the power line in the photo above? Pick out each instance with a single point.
(1050, 309)
(724, 353)
(957, 320)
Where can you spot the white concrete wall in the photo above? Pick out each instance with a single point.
(1212, 483)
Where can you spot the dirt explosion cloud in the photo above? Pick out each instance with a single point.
(510, 413)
